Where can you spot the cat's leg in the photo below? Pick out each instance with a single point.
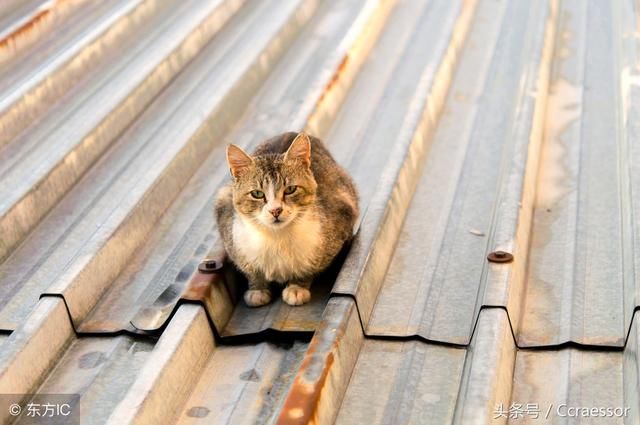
(297, 292)
(258, 293)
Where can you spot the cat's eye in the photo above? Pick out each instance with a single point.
(258, 194)
(290, 189)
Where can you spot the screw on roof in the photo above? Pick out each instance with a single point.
(209, 265)
(500, 257)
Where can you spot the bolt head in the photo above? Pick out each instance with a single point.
(500, 257)
(209, 265)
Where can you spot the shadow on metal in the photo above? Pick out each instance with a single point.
(219, 290)
(218, 286)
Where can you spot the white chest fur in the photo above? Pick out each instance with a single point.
(280, 254)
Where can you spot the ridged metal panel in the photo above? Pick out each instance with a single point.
(243, 384)
(468, 126)
(419, 382)
(291, 97)
(91, 236)
(101, 370)
(55, 46)
(387, 191)
(580, 280)
(438, 270)
(49, 158)
(414, 381)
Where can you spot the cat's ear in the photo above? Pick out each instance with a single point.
(238, 160)
(300, 149)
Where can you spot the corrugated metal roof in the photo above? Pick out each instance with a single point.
(465, 203)
(470, 127)
(580, 279)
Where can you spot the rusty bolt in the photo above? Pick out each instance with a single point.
(209, 265)
(500, 257)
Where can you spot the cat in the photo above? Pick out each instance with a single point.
(287, 212)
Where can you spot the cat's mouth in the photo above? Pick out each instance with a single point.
(275, 222)
(278, 222)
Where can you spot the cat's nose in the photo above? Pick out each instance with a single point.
(276, 211)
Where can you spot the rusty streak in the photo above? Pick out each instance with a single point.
(301, 404)
(27, 27)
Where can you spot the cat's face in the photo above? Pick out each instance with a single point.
(273, 190)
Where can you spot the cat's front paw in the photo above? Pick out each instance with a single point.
(296, 295)
(257, 297)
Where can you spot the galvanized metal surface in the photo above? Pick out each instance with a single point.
(426, 383)
(582, 274)
(418, 382)
(470, 127)
(59, 149)
(438, 272)
(296, 88)
(243, 384)
(386, 191)
(220, 292)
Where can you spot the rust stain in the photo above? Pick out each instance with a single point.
(28, 27)
(302, 402)
(199, 287)
(296, 324)
(334, 80)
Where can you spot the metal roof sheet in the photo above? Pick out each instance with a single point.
(387, 167)
(465, 203)
(468, 126)
(48, 159)
(580, 280)
(420, 382)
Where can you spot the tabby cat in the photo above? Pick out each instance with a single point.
(286, 213)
